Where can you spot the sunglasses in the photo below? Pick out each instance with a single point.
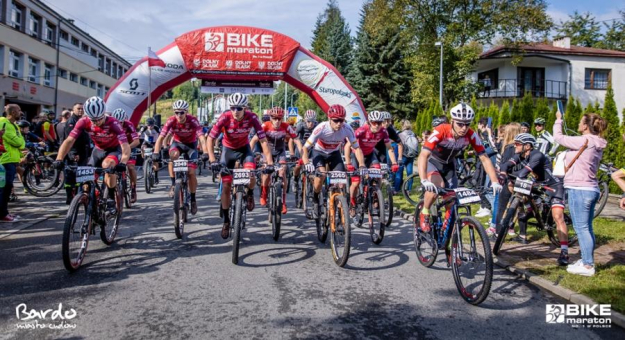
(461, 125)
(338, 121)
(236, 108)
(537, 125)
(376, 123)
(97, 120)
(517, 144)
(179, 113)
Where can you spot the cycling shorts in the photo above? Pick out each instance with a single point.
(446, 171)
(334, 159)
(556, 195)
(229, 158)
(133, 156)
(278, 157)
(298, 155)
(99, 155)
(370, 160)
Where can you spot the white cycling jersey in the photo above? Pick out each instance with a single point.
(326, 140)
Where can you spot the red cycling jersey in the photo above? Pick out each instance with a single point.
(185, 133)
(368, 140)
(445, 147)
(277, 137)
(131, 132)
(236, 133)
(107, 136)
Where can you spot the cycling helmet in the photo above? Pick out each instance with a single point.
(436, 121)
(310, 116)
(375, 116)
(355, 124)
(276, 112)
(539, 121)
(180, 105)
(23, 123)
(119, 114)
(462, 112)
(336, 111)
(94, 108)
(386, 115)
(237, 99)
(525, 138)
(150, 121)
(266, 118)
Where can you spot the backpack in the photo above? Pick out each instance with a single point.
(411, 144)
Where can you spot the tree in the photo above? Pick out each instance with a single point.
(504, 113)
(613, 135)
(526, 109)
(332, 38)
(186, 91)
(515, 114)
(583, 29)
(493, 111)
(542, 111)
(614, 37)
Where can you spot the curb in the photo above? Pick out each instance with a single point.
(564, 293)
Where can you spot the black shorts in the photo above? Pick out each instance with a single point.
(557, 194)
(370, 159)
(98, 155)
(334, 159)
(244, 155)
(381, 154)
(189, 149)
(446, 171)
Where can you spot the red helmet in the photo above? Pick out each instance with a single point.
(276, 112)
(336, 111)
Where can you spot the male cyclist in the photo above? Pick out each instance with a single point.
(326, 140)
(279, 134)
(133, 139)
(236, 125)
(445, 143)
(111, 144)
(186, 131)
(368, 136)
(304, 131)
(150, 134)
(544, 140)
(529, 161)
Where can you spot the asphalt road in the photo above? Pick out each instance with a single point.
(149, 284)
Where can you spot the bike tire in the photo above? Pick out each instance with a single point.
(409, 194)
(604, 187)
(178, 210)
(387, 192)
(73, 258)
(147, 176)
(377, 234)
(341, 233)
(236, 236)
(508, 217)
(276, 222)
(553, 236)
(426, 246)
(44, 192)
(297, 184)
(477, 255)
(127, 197)
(321, 222)
(113, 224)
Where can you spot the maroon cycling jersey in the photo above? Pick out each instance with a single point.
(131, 132)
(368, 140)
(186, 133)
(107, 136)
(445, 148)
(278, 136)
(236, 133)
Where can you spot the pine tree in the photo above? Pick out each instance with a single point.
(527, 109)
(331, 38)
(504, 113)
(550, 119)
(493, 112)
(515, 114)
(572, 114)
(542, 111)
(613, 135)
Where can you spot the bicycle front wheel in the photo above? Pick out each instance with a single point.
(425, 243)
(471, 261)
(340, 240)
(508, 220)
(76, 232)
(179, 210)
(236, 236)
(387, 193)
(276, 211)
(147, 176)
(411, 189)
(377, 215)
(321, 222)
(112, 220)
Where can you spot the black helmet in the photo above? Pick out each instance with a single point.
(436, 121)
(266, 118)
(150, 121)
(526, 124)
(355, 124)
(22, 124)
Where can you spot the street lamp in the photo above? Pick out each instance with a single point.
(440, 86)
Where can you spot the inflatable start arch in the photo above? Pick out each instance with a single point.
(234, 53)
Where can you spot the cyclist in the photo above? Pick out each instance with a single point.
(186, 131)
(304, 131)
(368, 136)
(394, 136)
(133, 139)
(150, 134)
(278, 134)
(436, 121)
(445, 143)
(111, 144)
(525, 127)
(544, 140)
(530, 161)
(326, 140)
(236, 125)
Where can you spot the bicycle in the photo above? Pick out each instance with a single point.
(182, 196)
(466, 255)
(411, 189)
(465, 169)
(40, 178)
(605, 173)
(274, 201)
(149, 176)
(91, 205)
(387, 192)
(531, 200)
(371, 201)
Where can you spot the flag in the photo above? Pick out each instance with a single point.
(154, 60)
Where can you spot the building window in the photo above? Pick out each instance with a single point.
(84, 81)
(33, 68)
(597, 79)
(62, 73)
(64, 35)
(15, 61)
(107, 67)
(47, 75)
(49, 33)
(73, 77)
(99, 91)
(92, 84)
(75, 42)
(34, 25)
(85, 48)
(16, 16)
(101, 63)
(94, 53)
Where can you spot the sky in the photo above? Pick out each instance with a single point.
(129, 27)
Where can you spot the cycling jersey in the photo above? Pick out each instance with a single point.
(187, 132)
(445, 148)
(536, 163)
(545, 143)
(150, 135)
(277, 137)
(392, 135)
(107, 136)
(131, 132)
(368, 140)
(326, 140)
(304, 132)
(236, 133)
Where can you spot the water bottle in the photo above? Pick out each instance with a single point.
(3, 176)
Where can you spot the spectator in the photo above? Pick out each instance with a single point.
(60, 126)
(45, 129)
(13, 143)
(410, 152)
(487, 85)
(482, 180)
(619, 178)
(580, 182)
(525, 127)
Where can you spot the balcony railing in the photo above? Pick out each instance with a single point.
(510, 88)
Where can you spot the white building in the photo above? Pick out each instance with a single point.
(556, 71)
(48, 62)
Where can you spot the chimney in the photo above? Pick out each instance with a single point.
(564, 42)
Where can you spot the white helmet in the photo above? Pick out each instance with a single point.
(386, 115)
(310, 115)
(375, 116)
(95, 108)
(180, 105)
(119, 114)
(237, 99)
(462, 112)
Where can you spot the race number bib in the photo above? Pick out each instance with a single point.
(384, 167)
(181, 165)
(523, 186)
(375, 173)
(466, 196)
(241, 176)
(337, 177)
(147, 152)
(84, 174)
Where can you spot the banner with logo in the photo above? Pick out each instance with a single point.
(228, 87)
(235, 54)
